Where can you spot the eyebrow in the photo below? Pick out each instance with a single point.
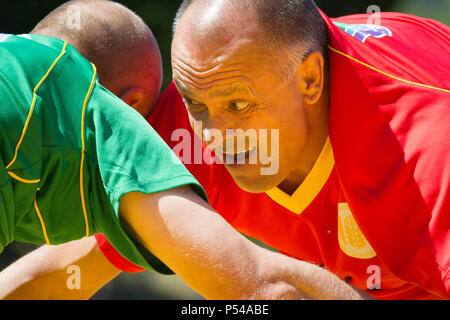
(181, 87)
(224, 93)
(217, 93)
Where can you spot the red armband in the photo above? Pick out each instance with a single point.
(114, 257)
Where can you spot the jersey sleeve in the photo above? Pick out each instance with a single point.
(169, 115)
(124, 154)
(171, 121)
(114, 257)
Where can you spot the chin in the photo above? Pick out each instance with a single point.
(254, 182)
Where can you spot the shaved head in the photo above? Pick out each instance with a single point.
(115, 39)
(294, 27)
(256, 65)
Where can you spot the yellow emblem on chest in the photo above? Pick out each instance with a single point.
(351, 239)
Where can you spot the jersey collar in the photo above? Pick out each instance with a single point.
(310, 187)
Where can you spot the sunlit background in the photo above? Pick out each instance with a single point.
(21, 16)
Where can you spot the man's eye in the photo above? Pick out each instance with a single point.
(239, 105)
(191, 101)
(194, 106)
(187, 100)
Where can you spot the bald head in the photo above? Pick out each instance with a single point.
(116, 40)
(294, 27)
(256, 64)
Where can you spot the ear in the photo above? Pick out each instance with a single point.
(133, 97)
(311, 77)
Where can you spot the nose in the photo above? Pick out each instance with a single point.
(215, 126)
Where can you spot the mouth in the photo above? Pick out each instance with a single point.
(238, 158)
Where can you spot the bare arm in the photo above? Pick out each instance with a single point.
(185, 233)
(214, 259)
(43, 273)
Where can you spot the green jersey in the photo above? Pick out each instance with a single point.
(70, 149)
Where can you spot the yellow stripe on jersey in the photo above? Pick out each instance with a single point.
(387, 74)
(310, 187)
(24, 130)
(22, 179)
(83, 146)
(44, 229)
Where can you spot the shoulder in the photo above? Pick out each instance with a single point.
(386, 45)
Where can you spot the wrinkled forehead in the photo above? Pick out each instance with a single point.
(211, 57)
(237, 58)
(237, 65)
(214, 47)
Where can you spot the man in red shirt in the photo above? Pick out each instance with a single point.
(364, 172)
(373, 206)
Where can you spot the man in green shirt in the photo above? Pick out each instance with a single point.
(66, 151)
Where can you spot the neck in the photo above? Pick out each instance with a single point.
(297, 176)
(318, 120)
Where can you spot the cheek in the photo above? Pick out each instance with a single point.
(293, 134)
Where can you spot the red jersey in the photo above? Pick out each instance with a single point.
(375, 208)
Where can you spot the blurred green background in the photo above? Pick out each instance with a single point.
(21, 16)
